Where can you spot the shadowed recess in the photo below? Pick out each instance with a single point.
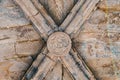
(58, 9)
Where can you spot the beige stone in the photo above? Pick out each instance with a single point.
(7, 51)
(28, 48)
(96, 47)
(13, 69)
(98, 17)
(110, 5)
(58, 9)
(18, 34)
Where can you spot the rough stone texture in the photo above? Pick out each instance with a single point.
(97, 17)
(6, 51)
(11, 15)
(14, 69)
(98, 42)
(18, 34)
(110, 5)
(18, 41)
(58, 9)
(28, 48)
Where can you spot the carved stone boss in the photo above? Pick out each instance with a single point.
(58, 40)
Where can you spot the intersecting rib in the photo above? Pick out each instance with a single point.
(56, 73)
(82, 64)
(81, 16)
(37, 19)
(71, 14)
(34, 67)
(71, 65)
(44, 13)
(46, 66)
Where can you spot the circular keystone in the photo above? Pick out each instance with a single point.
(59, 43)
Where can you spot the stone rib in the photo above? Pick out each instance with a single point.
(46, 66)
(81, 17)
(44, 13)
(71, 14)
(34, 67)
(37, 19)
(82, 65)
(70, 64)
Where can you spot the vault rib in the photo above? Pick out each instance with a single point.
(36, 63)
(81, 17)
(37, 19)
(71, 15)
(44, 64)
(44, 13)
(43, 69)
(70, 64)
(81, 64)
(56, 73)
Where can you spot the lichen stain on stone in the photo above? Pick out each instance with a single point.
(23, 31)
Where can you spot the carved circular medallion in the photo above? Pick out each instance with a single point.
(59, 43)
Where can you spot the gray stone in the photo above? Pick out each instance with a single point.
(12, 17)
(7, 3)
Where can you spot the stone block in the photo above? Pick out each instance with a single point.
(7, 51)
(12, 17)
(110, 5)
(18, 34)
(28, 48)
(13, 69)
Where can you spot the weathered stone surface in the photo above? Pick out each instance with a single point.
(27, 33)
(14, 50)
(56, 73)
(58, 9)
(80, 18)
(110, 5)
(10, 15)
(59, 44)
(99, 47)
(100, 58)
(13, 69)
(98, 42)
(28, 48)
(105, 32)
(97, 17)
(18, 34)
(7, 3)
(115, 49)
(114, 17)
(6, 51)
(18, 41)
(10, 38)
(66, 75)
